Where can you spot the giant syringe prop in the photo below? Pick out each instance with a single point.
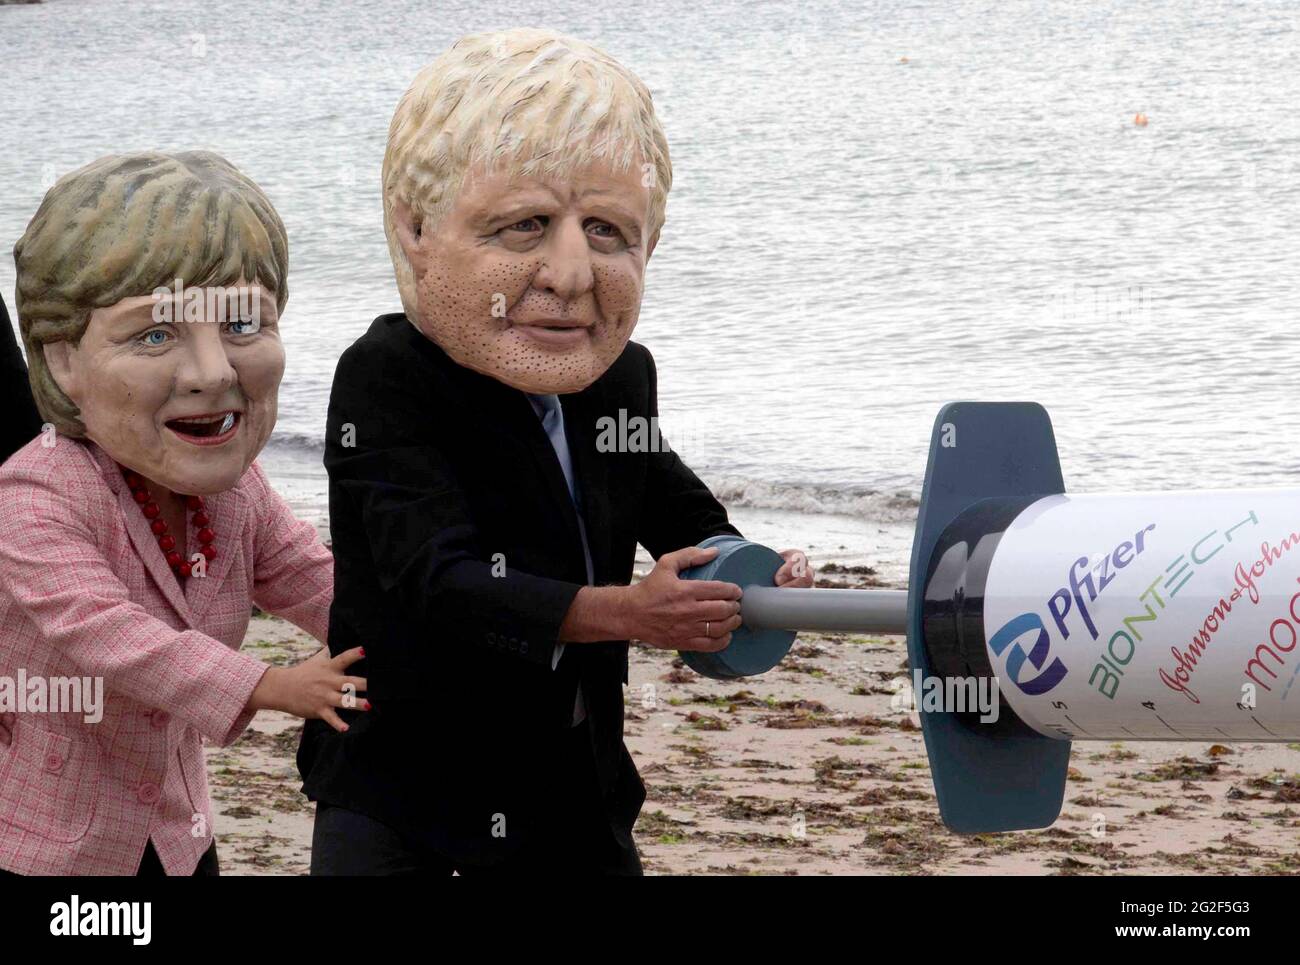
(1156, 616)
(824, 610)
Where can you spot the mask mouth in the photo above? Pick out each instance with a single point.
(554, 324)
(211, 426)
(560, 338)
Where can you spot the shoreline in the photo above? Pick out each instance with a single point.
(883, 546)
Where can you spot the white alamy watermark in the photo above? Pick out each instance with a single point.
(625, 432)
(133, 919)
(208, 303)
(36, 694)
(1088, 305)
(947, 695)
(629, 434)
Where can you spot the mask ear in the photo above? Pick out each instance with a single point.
(58, 359)
(409, 232)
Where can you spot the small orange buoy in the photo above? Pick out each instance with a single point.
(1140, 119)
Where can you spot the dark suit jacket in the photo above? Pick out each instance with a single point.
(21, 421)
(434, 470)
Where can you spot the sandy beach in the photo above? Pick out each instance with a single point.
(818, 767)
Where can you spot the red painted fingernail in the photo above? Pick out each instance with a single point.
(363, 651)
(367, 705)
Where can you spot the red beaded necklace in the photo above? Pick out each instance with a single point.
(152, 511)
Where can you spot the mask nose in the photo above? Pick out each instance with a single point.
(206, 367)
(566, 265)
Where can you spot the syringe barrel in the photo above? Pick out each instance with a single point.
(1157, 616)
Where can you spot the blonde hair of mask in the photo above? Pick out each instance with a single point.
(540, 102)
(126, 225)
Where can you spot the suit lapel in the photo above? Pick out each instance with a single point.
(509, 409)
(548, 463)
(228, 512)
(142, 537)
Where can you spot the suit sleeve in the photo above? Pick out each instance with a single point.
(679, 509)
(21, 421)
(420, 534)
(54, 571)
(293, 572)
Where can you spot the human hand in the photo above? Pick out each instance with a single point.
(796, 571)
(314, 688)
(670, 613)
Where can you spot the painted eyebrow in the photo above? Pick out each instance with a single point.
(530, 198)
(490, 220)
(141, 316)
(606, 199)
(624, 217)
(515, 211)
(516, 201)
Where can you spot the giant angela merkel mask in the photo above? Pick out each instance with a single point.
(525, 183)
(149, 293)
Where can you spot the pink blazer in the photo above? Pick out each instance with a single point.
(85, 592)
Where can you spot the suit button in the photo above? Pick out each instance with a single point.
(148, 793)
(53, 763)
(523, 646)
(514, 644)
(491, 638)
(161, 718)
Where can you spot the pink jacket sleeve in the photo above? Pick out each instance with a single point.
(57, 575)
(293, 572)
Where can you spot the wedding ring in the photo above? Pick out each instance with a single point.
(706, 629)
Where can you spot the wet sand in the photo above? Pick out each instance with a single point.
(818, 767)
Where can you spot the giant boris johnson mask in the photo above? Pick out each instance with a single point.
(525, 182)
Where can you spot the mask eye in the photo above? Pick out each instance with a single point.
(529, 225)
(244, 326)
(608, 233)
